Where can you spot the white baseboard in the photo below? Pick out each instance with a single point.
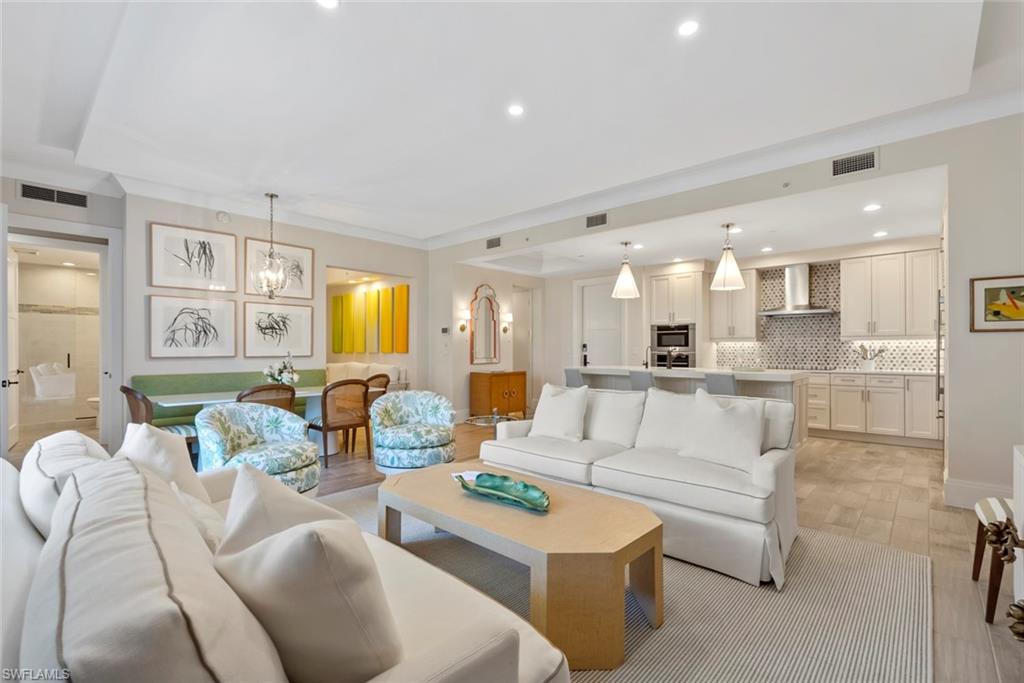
(961, 493)
(461, 414)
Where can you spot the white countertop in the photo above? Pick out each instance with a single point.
(768, 375)
(858, 371)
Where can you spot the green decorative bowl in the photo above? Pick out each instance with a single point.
(504, 490)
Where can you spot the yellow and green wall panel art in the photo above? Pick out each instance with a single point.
(336, 315)
(373, 321)
(387, 321)
(376, 321)
(402, 319)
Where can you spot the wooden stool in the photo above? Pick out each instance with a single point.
(990, 510)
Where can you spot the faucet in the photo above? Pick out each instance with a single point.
(671, 356)
(647, 357)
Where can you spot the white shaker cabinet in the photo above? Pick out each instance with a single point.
(855, 297)
(892, 295)
(922, 293)
(734, 313)
(847, 409)
(921, 408)
(885, 410)
(674, 298)
(889, 295)
(661, 300)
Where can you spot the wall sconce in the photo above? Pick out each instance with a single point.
(506, 322)
(463, 319)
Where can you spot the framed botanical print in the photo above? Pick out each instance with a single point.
(997, 304)
(273, 329)
(190, 258)
(183, 327)
(300, 266)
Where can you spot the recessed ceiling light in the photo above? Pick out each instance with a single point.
(677, 260)
(365, 278)
(67, 263)
(872, 207)
(352, 282)
(881, 233)
(91, 274)
(688, 28)
(328, 4)
(735, 230)
(766, 249)
(638, 246)
(516, 110)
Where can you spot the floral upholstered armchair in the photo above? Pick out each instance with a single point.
(412, 429)
(268, 438)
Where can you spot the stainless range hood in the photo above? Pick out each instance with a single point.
(798, 294)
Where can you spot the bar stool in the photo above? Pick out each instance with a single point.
(640, 380)
(573, 377)
(721, 383)
(990, 510)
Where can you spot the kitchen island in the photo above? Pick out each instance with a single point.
(786, 385)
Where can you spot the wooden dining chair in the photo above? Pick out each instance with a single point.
(141, 410)
(344, 407)
(381, 382)
(277, 395)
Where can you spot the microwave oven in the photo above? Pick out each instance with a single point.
(664, 337)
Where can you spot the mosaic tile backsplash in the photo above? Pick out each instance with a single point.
(812, 342)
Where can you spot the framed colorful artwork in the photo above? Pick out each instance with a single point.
(190, 258)
(301, 262)
(184, 327)
(997, 304)
(273, 329)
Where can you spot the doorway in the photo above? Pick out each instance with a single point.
(599, 329)
(526, 304)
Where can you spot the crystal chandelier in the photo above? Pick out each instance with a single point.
(272, 275)
(727, 275)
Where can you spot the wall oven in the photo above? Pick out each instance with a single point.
(665, 337)
(680, 360)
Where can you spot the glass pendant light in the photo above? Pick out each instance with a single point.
(272, 275)
(727, 276)
(625, 284)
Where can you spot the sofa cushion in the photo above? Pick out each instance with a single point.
(560, 412)
(21, 547)
(727, 434)
(165, 454)
(381, 369)
(430, 604)
(551, 457)
(46, 467)
(613, 416)
(277, 457)
(413, 436)
(125, 585)
(314, 586)
(662, 474)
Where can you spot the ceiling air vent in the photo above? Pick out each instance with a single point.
(72, 199)
(597, 219)
(865, 161)
(494, 243)
(47, 194)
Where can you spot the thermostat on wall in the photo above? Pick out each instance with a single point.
(445, 331)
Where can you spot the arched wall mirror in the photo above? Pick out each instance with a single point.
(483, 327)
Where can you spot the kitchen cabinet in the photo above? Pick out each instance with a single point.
(922, 293)
(855, 297)
(734, 313)
(847, 409)
(873, 296)
(674, 298)
(884, 410)
(921, 409)
(501, 391)
(818, 402)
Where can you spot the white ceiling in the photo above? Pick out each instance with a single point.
(340, 276)
(49, 256)
(391, 116)
(912, 205)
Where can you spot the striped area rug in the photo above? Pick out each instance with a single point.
(851, 611)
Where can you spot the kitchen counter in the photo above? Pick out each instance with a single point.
(767, 375)
(858, 371)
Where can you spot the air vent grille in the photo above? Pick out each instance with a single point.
(864, 161)
(47, 194)
(494, 243)
(597, 219)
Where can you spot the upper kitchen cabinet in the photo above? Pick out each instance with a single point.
(892, 295)
(674, 298)
(734, 313)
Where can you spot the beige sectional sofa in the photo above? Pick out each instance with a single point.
(119, 585)
(739, 523)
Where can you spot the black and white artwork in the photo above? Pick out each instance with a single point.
(275, 329)
(189, 258)
(300, 266)
(191, 328)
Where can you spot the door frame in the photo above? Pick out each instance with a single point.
(51, 232)
(577, 312)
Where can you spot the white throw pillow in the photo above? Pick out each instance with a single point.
(613, 416)
(164, 453)
(314, 587)
(727, 434)
(46, 468)
(206, 518)
(666, 419)
(560, 413)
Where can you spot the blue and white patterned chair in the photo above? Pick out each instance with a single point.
(266, 437)
(412, 429)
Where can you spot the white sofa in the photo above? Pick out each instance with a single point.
(353, 370)
(449, 631)
(738, 523)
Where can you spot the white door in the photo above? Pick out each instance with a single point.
(602, 324)
(12, 392)
(847, 409)
(721, 316)
(743, 307)
(661, 300)
(889, 295)
(684, 298)
(885, 411)
(921, 409)
(922, 288)
(855, 295)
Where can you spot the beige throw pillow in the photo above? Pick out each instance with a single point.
(165, 454)
(206, 518)
(724, 432)
(306, 573)
(560, 412)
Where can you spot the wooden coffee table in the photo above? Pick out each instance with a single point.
(577, 552)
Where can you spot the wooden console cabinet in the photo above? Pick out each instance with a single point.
(504, 391)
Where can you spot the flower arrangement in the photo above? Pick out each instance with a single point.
(282, 371)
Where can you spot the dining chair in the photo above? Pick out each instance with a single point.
(380, 381)
(141, 410)
(277, 395)
(344, 407)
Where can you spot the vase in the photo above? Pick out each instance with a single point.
(867, 365)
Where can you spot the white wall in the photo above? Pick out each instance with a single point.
(102, 210)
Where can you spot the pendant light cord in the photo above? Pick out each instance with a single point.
(271, 196)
